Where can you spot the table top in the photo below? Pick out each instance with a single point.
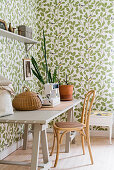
(41, 116)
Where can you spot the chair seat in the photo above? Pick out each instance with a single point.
(69, 124)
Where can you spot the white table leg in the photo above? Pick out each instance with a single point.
(32, 130)
(67, 145)
(35, 147)
(110, 134)
(25, 138)
(44, 144)
(73, 141)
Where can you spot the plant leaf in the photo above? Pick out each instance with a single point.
(55, 75)
(44, 53)
(49, 76)
(44, 66)
(38, 76)
(36, 72)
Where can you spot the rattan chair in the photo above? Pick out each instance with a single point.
(82, 128)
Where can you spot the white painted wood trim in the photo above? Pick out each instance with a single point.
(13, 148)
(17, 37)
(113, 127)
(101, 133)
(113, 130)
(44, 143)
(67, 142)
(35, 147)
(25, 136)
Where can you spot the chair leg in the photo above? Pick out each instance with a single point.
(89, 148)
(82, 139)
(58, 147)
(53, 144)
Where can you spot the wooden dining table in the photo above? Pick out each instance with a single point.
(39, 119)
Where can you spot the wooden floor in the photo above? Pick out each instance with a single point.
(103, 155)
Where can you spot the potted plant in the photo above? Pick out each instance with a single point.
(36, 70)
(66, 91)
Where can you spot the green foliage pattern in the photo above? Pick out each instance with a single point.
(79, 38)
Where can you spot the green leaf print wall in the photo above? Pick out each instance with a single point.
(16, 12)
(79, 37)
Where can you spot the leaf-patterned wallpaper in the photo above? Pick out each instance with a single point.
(16, 12)
(79, 38)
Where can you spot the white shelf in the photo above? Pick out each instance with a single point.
(17, 37)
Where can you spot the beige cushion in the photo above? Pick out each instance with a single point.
(4, 81)
(5, 103)
(69, 124)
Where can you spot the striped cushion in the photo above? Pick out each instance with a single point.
(100, 113)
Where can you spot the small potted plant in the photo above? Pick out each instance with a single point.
(66, 91)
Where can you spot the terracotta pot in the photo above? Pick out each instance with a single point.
(66, 92)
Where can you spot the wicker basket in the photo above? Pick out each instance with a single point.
(27, 101)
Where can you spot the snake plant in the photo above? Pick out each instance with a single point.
(36, 70)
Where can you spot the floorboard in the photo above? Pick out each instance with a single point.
(103, 155)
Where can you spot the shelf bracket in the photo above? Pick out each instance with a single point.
(27, 49)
